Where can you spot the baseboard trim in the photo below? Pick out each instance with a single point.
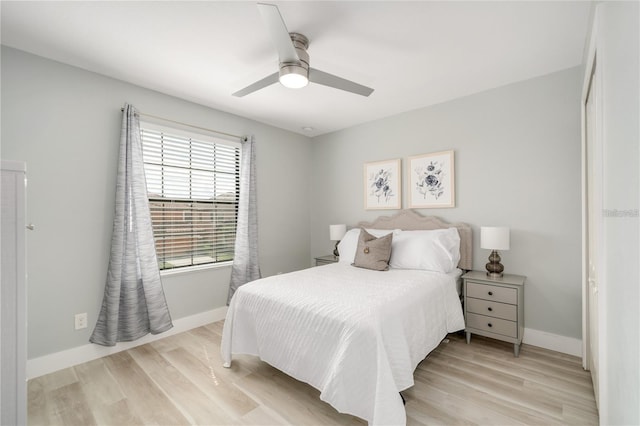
(554, 342)
(68, 358)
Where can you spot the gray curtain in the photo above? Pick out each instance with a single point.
(134, 303)
(245, 259)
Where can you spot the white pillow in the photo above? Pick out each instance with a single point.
(437, 250)
(349, 243)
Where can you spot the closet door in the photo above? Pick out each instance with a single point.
(13, 345)
(594, 215)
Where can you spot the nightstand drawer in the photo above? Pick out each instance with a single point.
(493, 325)
(492, 309)
(492, 292)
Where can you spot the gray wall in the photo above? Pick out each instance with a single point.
(618, 47)
(517, 164)
(65, 123)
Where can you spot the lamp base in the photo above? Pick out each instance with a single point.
(494, 267)
(495, 274)
(335, 250)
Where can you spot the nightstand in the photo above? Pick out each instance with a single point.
(325, 260)
(494, 307)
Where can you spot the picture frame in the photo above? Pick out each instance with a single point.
(432, 180)
(383, 185)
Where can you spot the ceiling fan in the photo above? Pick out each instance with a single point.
(295, 71)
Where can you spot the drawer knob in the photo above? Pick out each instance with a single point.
(490, 293)
(490, 325)
(490, 309)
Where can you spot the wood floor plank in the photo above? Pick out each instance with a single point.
(466, 411)
(208, 380)
(310, 398)
(532, 376)
(567, 367)
(432, 414)
(37, 404)
(71, 407)
(168, 343)
(180, 380)
(118, 413)
(58, 379)
(216, 327)
(196, 406)
(579, 415)
(205, 346)
(567, 394)
(293, 410)
(98, 384)
(151, 404)
(498, 384)
(472, 394)
(262, 416)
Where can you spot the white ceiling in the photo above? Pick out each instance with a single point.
(413, 54)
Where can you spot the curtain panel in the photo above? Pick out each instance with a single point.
(134, 303)
(246, 266)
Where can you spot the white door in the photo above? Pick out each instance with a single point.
(594, 221)
(13, 344)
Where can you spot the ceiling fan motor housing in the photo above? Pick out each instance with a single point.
(296, 74)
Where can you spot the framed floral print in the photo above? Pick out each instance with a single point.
(382, 185)
(431, 180)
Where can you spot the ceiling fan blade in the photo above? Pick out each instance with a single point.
(326, 79)
(260, 84)
(279, 33)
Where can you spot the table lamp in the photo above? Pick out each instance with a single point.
(336, 232)
(494, 238)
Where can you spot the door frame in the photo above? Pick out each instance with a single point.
(591, 59)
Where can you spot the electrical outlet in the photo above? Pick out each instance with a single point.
(81, 321)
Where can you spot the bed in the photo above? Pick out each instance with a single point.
(355, 334)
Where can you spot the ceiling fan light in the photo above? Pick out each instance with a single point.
(294, 76)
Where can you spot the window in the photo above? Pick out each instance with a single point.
(193, 184)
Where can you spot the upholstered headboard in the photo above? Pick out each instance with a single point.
(409, 220)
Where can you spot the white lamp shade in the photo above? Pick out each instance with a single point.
(336, 232)
(494, 237)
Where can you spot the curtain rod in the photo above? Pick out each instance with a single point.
(189, 125)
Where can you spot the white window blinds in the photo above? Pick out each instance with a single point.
(193, 184)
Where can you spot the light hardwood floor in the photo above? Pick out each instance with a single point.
(180, 380)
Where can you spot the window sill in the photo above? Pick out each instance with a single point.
(197, 268)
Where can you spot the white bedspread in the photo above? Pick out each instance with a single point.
(354, 334)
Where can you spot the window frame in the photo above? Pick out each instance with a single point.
(204, 137)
